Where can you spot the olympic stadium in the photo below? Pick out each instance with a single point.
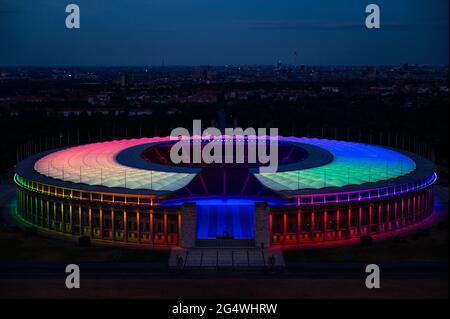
(128, 192)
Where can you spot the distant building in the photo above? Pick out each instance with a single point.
(330, 89)
(124, 80)
(211, 76)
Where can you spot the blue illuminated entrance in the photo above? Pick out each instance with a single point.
(225, 218)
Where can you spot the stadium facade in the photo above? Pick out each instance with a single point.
(128, 192)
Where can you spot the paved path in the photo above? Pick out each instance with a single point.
(215, 258)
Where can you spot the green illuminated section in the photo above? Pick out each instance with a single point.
(353, 164)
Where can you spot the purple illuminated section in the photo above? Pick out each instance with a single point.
(367, 194)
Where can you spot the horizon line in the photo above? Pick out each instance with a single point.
(224, 65)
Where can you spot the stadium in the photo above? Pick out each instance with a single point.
(128, 192)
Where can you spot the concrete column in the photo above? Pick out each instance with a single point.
(113, 225)
(27, 207)
(270, 228)
(26, 210)
(179, 227)
(70, 218)
(62, 226)
(284, 228)
(312, 225)
(419, 205)
(430, 201)
(24, 205)
(299, 225)
(125, 226)
(37, 202)
(349, 221)
(42, 212)
(165, 227)
(36, 210)
(403, 212)
(29, 214)
(138, 222)
(369, 230)
(325, 221)
(91, 227)
(150, 221)
(188, 231)
(54, 215)
(360, 220)
(338, 223)
(80, 219)
(425, 201)
(23, 200)
(395, 214)
(262, 224)
(32, 210)
(379, 218)
(101, 223)
(408, 212)
(20, 195)
(20, 201)
(48, 214)
(422, 201)
(388, 216)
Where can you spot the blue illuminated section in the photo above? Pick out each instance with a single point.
(228, 219)
(225, 200)
(231, 217)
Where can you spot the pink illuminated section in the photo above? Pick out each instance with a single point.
(95, 164)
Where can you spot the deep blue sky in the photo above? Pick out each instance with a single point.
(218, 32)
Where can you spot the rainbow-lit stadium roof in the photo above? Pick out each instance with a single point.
(97, 164)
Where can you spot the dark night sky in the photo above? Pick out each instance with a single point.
(218, 32)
